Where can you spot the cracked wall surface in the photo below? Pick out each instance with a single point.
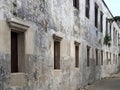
(59, 17)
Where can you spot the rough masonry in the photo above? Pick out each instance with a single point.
(36, 21)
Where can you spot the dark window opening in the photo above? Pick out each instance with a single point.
(56, 51)
(77, 54)
(17, 52)
(87, 8)
(116, 59)
(101, 57)
(113, 58)
(101, 21)
(118, 38)
(113, 35)
(107, 57)
(110, 29)
(56, 55)
(76, 4)
(106, 26)
(96, 15)
(96, 56)
(88, 56)
(110, 58)
(14, 52)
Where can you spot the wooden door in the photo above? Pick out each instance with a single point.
(14, 52)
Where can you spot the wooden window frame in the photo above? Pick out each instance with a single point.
(57, 41)
(114, 29)
(118, 37)
(101, 57)
(101, 21)
(19, 26)
(76, 4)
(77, 44)
(87, 9)
(113, 58)
(110, 27)
(20, 51)
(106, 26)
(116, 59)
(96, 15)
(96, 51)
(110, 58)
(88, 56)
(14, 53)
(107, 57)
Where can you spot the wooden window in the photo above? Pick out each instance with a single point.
(110, 58)
(56, 51)
(76, 4)
(106, 26)
(88, 56)
(114, 35)
(118, 38)
(116, 59)
(101, 21)
(107, 57)
(101, 57)
(77, 54)
(96, 56)
(114, 32)
(96, 15)
(14, 52)
(87, 8)
(110, 29)
(18, 29)
(113, 58)
(17, 52)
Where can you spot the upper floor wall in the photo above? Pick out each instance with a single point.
(67, 16)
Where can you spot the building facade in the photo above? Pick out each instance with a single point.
(56, 44)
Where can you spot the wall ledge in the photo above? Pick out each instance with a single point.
(18, 24)
(17, 79)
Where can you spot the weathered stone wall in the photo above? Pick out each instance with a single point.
(48, 17)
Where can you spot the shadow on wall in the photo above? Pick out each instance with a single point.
(118, 67)
(95, 72)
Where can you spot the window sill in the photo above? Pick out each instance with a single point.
(76, 68)
(86, 18)
(17, 79)
(57, 72)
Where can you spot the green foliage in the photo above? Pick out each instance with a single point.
(107, 40)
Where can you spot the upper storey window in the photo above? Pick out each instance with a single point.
(101, 21)
(106, 26)
(87, 8)
(77, 54)
(57, 41)
(76, 4)
(110, 28)
(96, 15)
